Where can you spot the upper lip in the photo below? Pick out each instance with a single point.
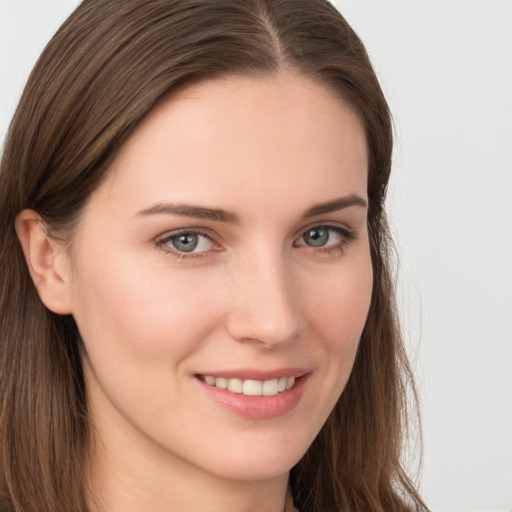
(257, 374)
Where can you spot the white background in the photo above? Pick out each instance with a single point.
(446, 67)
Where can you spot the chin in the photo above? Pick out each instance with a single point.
(251, 469)
(260, 460)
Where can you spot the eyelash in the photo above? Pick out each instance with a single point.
(163, 242)
(347, 237)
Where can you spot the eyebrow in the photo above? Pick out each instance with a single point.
(335, 205)
(188, 210)
(217, 214)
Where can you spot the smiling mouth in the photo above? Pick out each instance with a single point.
(250, 387)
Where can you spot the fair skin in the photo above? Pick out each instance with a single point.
(168, 296)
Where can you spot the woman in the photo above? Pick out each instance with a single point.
(196, 304)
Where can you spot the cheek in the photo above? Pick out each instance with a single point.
(337, 312)
(340, 301)
(138, 313)
(139, 327)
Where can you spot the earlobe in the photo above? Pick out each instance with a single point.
(47, 261)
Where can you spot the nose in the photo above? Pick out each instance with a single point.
(264, 304)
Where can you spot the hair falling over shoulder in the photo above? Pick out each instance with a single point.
(100, 75)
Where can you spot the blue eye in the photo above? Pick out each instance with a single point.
(328, 237)
(187, 242)
(316, 237)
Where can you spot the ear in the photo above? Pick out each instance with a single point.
(47, 260)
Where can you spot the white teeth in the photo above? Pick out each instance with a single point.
(251, 387)
(221, 383)
(270, 387)
(235, 385)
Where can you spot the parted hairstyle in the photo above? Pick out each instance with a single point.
(99, 76)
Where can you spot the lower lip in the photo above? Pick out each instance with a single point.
(258, 407)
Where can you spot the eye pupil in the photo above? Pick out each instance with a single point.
(185, 243)
(316, 237)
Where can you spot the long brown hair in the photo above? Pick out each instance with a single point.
(102, 72)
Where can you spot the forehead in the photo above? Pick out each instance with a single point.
(234, 137)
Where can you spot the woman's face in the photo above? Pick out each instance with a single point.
(228, 246)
